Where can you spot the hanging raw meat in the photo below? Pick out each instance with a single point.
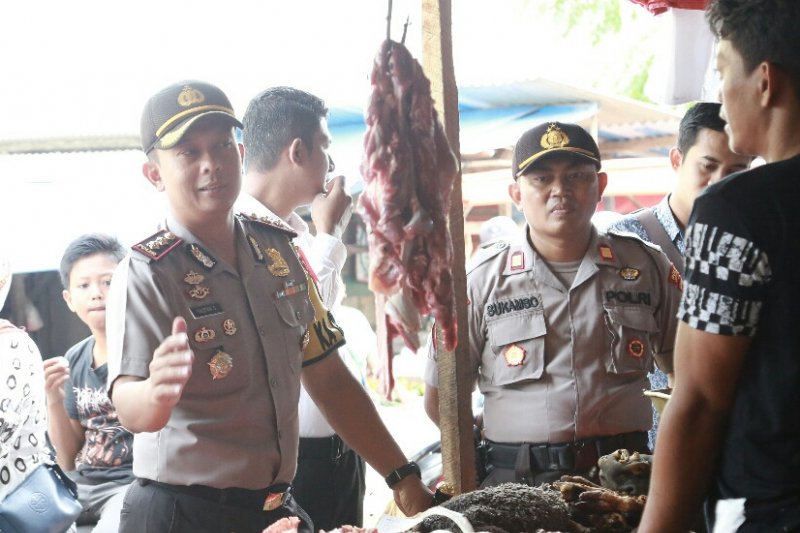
(408, 170)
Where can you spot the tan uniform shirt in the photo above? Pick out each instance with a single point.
(234, 429)
(558, 364)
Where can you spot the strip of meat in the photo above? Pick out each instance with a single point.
(408, 169)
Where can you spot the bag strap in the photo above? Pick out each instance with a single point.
(658, 235)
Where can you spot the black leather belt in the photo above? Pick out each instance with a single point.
(330, 448)
(580, 455)
(233, 496)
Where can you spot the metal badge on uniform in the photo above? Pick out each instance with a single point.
(278, 267)
(198, 292)
(514, 355)
(193, 278)
(229, 327)
(275, 500)
(204, 334)
(306, 340)
(629, 273)
(675, 277)
(517, 261)
(220, 365)
(203, 257)
(606, 252)
(256, 250)
(636, 347)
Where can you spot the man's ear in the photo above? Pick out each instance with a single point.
(602, 181)
(153, 175)
(297, 154)
(514, 193)
(772, 82)
(67, 298)
(675, 157)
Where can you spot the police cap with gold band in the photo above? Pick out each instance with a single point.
(170, 113)
(553, 138)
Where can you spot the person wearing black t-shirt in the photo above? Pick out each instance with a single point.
(731, 431)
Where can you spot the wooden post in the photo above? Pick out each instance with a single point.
(455, 382)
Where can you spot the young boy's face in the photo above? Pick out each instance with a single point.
(89, 280)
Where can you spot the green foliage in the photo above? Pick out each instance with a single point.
(601, 22)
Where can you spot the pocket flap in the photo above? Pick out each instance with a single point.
(634, 317)
(516, 328)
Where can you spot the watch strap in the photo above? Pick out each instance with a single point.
(403, 472)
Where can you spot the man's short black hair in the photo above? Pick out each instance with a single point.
(85, 246)
(702, 115)
(273, 119)
(760, 30)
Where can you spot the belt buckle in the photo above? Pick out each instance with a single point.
(275, 500)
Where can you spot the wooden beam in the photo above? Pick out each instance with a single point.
(455, 381)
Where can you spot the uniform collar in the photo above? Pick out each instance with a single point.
(249, 204)
(667, 219)
(171, 224)
(520, 256)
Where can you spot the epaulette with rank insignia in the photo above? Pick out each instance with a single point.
(631, 237)
(158, 245)
(484, 254)
(269, 221)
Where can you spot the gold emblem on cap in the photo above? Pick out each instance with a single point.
(204, 334)
(220, 365)
(193, 278)
(278, 267)
(514, 355)
(198, 292)
(229, 327)
(190, 96)
(554, 137)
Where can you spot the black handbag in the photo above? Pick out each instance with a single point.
(45, 502)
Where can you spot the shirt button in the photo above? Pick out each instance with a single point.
(261, 332)
(273, 382)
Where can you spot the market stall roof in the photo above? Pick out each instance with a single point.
(57, 189)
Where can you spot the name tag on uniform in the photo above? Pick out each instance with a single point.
(201, 311)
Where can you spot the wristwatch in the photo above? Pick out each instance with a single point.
(403, 472)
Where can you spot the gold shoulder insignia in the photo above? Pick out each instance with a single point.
(269, 221)
(158, 245)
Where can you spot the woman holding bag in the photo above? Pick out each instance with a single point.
(23, 444)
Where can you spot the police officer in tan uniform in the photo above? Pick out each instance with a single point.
(212, 322)
(564, 322)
